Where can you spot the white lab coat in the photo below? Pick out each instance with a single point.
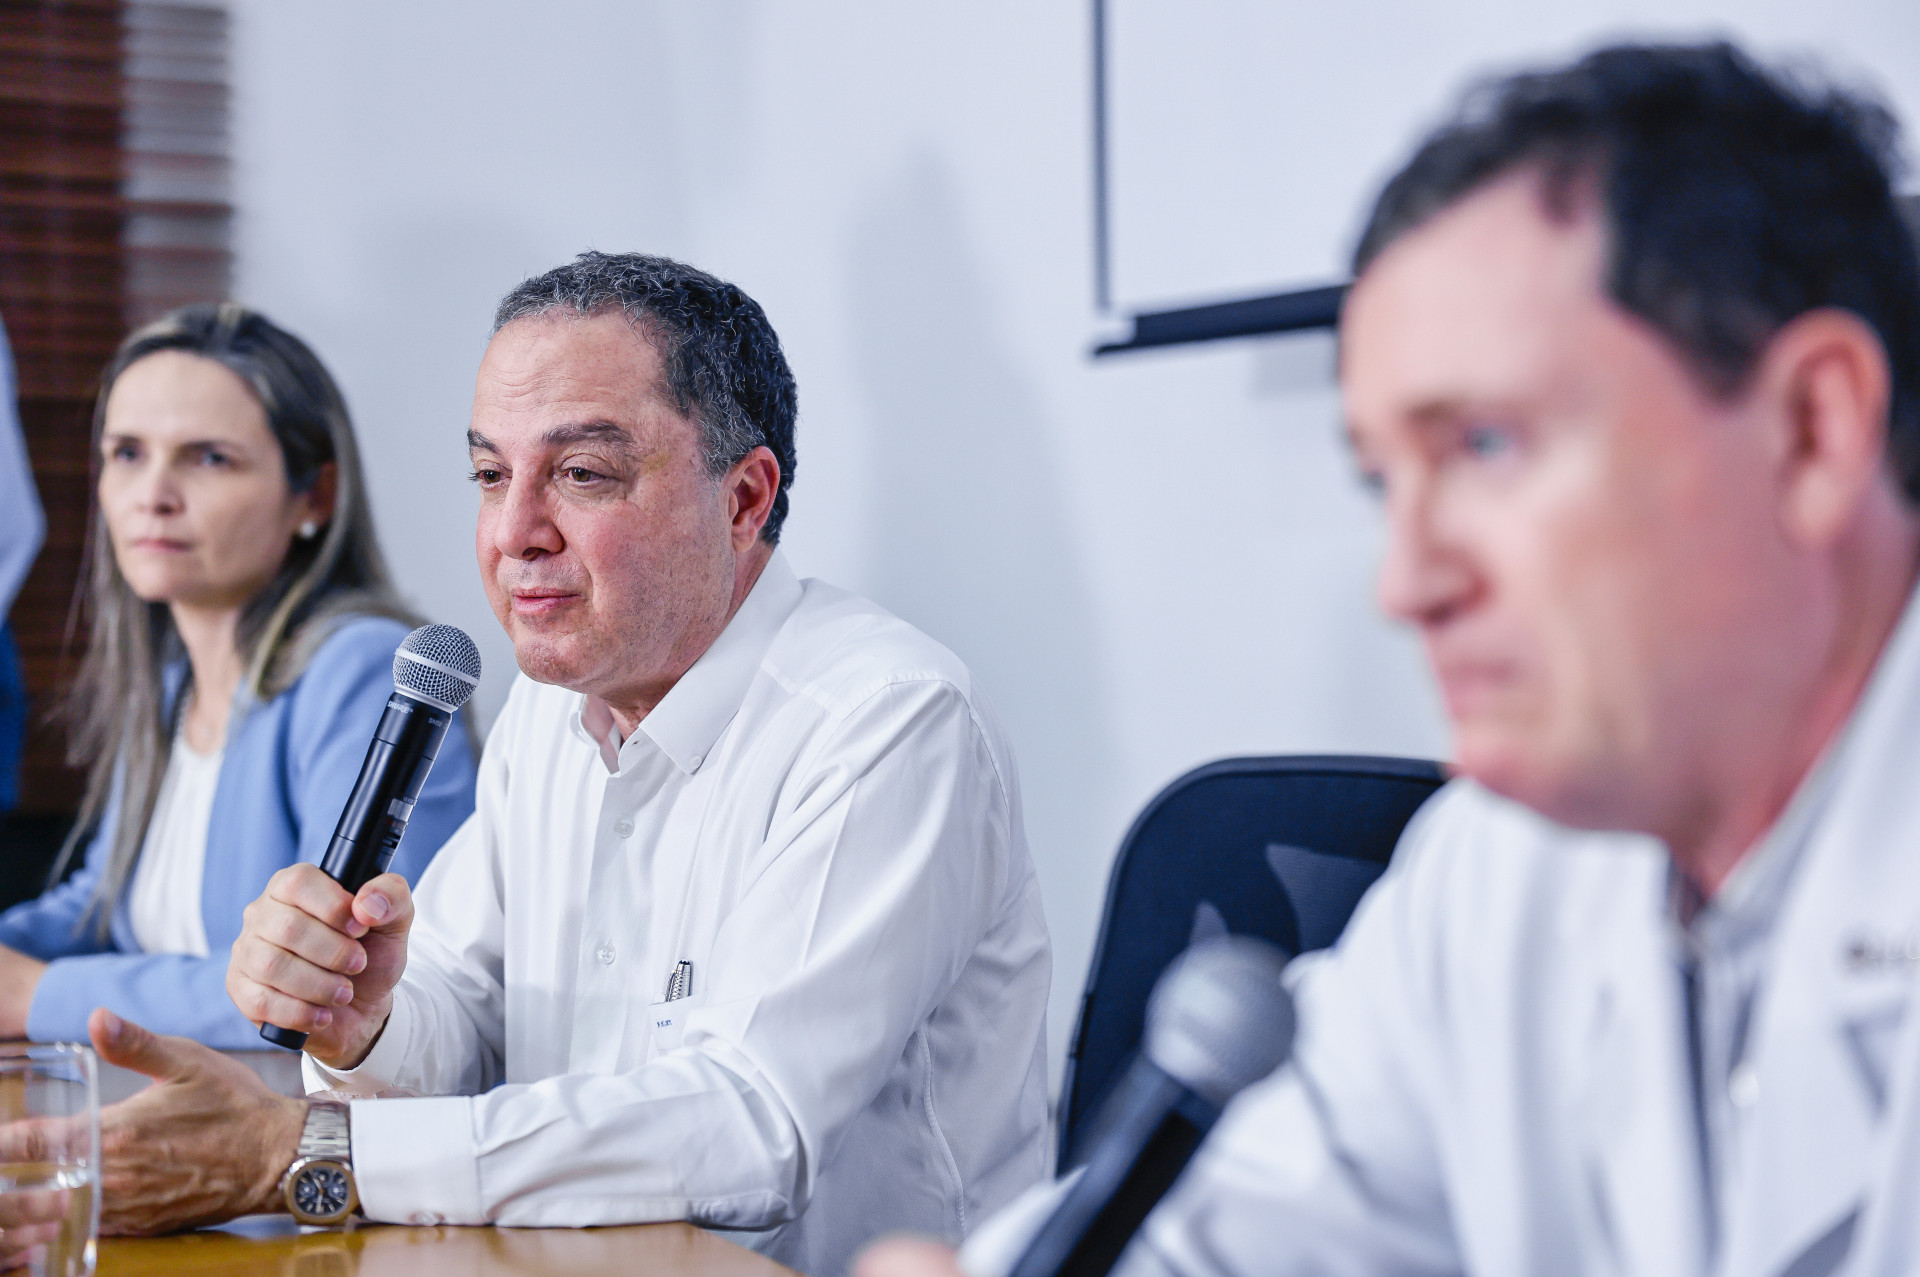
(1492, 1072)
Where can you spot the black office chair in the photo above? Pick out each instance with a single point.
(1280, 848)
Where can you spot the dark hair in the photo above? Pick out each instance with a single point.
(120, 724)
(724, 366)
(1735, 199)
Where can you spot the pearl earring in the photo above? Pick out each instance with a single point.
(307, 530)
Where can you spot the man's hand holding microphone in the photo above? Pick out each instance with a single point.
(358, 904)
(314, 957)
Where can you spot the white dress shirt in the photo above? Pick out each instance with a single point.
(22, 525)
(822, 817)
(164, 902)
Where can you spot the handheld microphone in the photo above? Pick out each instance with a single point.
(434, 672)
(1219, 1021)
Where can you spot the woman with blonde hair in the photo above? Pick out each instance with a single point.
(241, 639)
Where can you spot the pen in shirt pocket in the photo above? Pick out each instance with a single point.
(680, 982)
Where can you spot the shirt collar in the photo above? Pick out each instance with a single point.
(1749, 902)
(1754, 894)
(697, 708)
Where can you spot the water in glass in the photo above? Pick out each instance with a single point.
(49, 1159)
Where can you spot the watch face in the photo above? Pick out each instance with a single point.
(322, 1191)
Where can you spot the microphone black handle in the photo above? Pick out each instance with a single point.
(1152, 1125)
(391, 778)
(292, 1039)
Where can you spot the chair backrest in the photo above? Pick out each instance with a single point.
(1280, 848)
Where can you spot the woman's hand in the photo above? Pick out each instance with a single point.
(29, 1220)
(19, 977)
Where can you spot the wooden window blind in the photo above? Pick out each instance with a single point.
(114, 206)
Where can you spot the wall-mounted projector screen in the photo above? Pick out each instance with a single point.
(1244, 138)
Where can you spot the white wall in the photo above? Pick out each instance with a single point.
(1326, 96)
(1150, 562)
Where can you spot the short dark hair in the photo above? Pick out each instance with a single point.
(1735, 199)
(724, 367)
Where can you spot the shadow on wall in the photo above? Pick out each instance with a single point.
(1359, 678)
(973, 541)
(410, 362)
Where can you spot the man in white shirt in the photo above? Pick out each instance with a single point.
(744, 930)
(1632, 356)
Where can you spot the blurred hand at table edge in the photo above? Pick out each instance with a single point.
(208, 1141)
(316, 957)
(29, 1219)
(907, 1257)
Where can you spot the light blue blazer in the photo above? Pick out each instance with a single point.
(289, 765)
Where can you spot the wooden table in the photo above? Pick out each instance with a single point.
(275, 1246)
(279, 1249)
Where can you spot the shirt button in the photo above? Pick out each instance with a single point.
(695, 760)
(1743, 1086)
(623, 827)
(426, 1218)
(605, 954)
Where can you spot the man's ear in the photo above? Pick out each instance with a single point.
(1826, 372)
(750, 486)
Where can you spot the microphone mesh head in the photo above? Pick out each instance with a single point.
(438, 664)
(1219, 1019)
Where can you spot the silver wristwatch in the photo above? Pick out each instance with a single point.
(319, 1187)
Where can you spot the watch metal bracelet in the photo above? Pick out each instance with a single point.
(326, 1133)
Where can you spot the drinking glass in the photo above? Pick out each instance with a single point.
(49, 1159)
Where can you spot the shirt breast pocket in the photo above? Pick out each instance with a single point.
(667, 1024)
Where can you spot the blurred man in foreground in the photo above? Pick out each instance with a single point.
(1633, 358)
(744, 930)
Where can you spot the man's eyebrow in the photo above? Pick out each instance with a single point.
(610, 433)
(1426, 415)
(1441, 412)
(1435, 411)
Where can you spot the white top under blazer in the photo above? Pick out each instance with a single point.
(164, 903)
